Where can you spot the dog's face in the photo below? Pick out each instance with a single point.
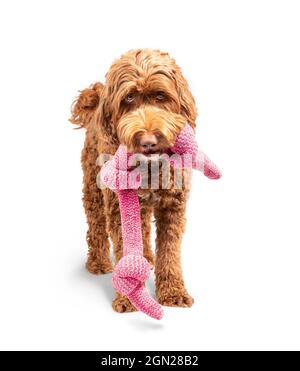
(146, 101)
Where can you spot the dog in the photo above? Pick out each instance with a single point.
(143, 104)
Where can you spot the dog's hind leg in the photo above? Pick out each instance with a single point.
(97, 238)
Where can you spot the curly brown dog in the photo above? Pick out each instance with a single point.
(144, 81)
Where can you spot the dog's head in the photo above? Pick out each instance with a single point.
(145, 102)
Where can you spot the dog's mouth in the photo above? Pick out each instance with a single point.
(141, 159)
(150, 153)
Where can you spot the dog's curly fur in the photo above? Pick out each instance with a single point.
(139, 80)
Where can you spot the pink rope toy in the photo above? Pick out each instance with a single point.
(133, 270)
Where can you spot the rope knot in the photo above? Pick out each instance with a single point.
(131, 272)
(129, 277)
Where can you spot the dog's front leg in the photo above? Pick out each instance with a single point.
(170, 224)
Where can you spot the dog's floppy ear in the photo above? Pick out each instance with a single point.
(102, 120)
(85, 104)
(187, 101)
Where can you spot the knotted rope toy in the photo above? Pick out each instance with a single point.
(133, 269)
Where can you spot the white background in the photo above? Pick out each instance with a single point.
(241, 248)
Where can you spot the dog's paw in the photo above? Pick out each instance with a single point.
(121, 304)
(95, 267)
(179, 299)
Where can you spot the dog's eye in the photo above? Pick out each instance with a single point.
(160, 96)
(129, 99)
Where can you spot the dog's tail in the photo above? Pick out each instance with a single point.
(85, 104)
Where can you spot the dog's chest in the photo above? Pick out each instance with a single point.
(149, 196)
(173, 185)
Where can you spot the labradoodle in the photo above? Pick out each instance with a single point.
(147, 84)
